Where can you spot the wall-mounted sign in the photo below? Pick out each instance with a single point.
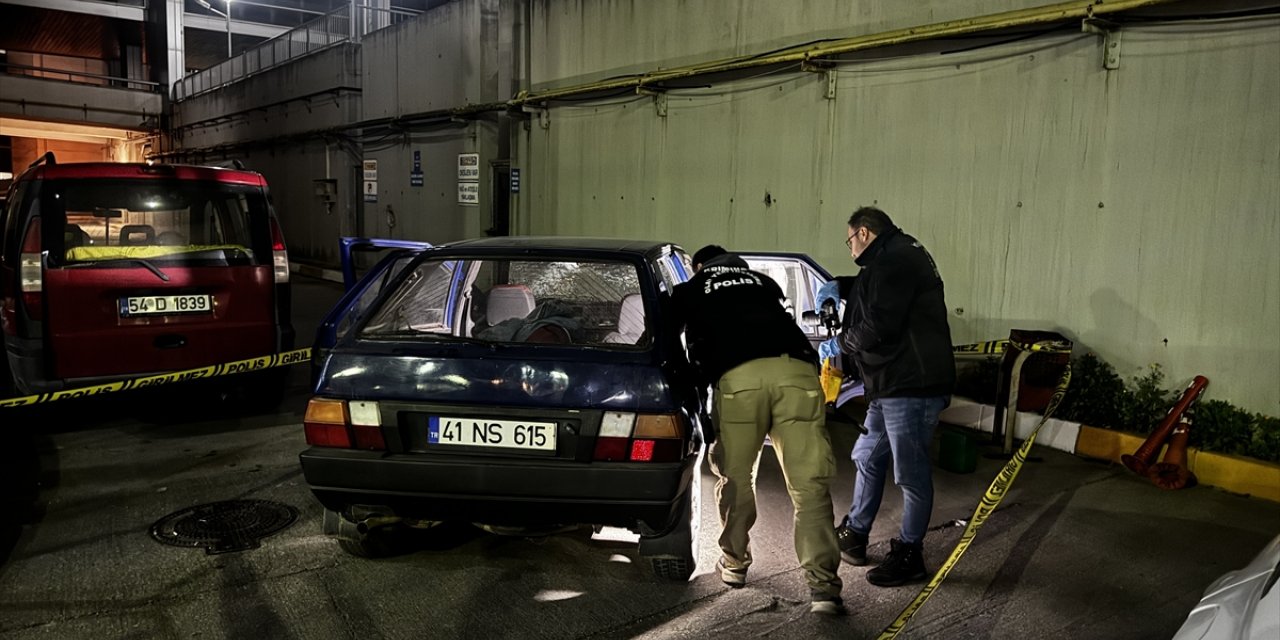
(370, 180)
(415, 174)
(468, 193)
(469, 166)
(515, 180)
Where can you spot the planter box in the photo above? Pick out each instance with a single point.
(1236, 474)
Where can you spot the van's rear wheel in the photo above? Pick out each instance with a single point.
(8, 388)
(263, 391)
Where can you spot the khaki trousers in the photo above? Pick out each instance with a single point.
(782, 398)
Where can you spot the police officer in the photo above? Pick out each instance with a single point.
(741, 340)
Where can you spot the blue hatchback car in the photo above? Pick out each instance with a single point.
(515, 383)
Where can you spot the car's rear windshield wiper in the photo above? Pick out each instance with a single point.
(98, 263)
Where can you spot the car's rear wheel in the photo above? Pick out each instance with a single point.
(672, 554)
(674, 569)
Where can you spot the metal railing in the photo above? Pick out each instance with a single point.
(332, 28)
(78, 77)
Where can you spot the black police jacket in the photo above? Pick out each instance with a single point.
(894, 328)
(732, 315)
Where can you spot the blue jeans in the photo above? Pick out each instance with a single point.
(900, 429)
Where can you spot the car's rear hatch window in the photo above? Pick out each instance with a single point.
(156, 274)
(504, 300)
(189, 223)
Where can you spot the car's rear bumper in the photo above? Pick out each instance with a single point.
(643, 496)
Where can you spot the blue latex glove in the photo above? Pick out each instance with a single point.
(829, 291)
(829, 349)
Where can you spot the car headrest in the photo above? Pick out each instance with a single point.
(507, 301)
(135, 234)
(631, 315)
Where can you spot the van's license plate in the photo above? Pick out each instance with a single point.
(483, 432)
(157, 305)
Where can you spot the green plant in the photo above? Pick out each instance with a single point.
(1098, 397)
(1220, 426)
(1264, 441)
(1095, 395)
(1148, 403)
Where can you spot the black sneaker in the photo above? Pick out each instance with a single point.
(853, 545)
(905, 563)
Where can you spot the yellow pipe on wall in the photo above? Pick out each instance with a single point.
(1022, 17)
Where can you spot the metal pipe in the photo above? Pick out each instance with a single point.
(1022, 17)
(228, 14)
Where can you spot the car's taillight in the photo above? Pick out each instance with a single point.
(366, 423)
(325, 423)
(342, 424)
(30, 271)
(279, 255)
(640, 438)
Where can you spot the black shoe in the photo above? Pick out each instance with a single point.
(904, 564)
(853, 545)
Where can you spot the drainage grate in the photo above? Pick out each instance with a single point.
(220, 527)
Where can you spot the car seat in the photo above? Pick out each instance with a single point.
(507, 301)
(170, 239)
(630, 321)
(129, 234)
(74, 236)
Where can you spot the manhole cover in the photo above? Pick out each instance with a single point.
(219, 527)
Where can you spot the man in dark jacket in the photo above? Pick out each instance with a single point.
(741, 339)
(895, 332)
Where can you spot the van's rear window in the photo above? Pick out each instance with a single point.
(162, 220)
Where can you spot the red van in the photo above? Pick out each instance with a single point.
(110, 271)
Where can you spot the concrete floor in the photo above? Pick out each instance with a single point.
(1078, 549)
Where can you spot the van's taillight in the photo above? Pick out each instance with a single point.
(30, 273)
(640, 438)
(337, 423)
(279, 255)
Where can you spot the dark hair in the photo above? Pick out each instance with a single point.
(875, 220)
(706, 253)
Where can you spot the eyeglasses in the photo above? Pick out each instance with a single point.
(848, 242)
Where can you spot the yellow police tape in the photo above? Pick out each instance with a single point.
(301, 355)
(996, 347)
(282, 359)
(995, 494)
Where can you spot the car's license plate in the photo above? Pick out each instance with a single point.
(154, 305)
(484, 432)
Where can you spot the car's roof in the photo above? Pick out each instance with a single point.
(619, 245)
(122, 170)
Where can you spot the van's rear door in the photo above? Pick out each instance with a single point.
(158, 273)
